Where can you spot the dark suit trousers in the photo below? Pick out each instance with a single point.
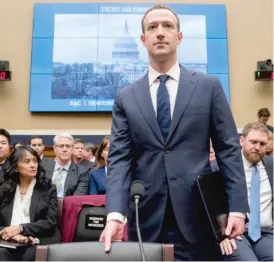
(184, 251)
(19, 254)
(247, 250)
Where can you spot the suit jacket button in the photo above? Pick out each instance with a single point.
(167, 151)
(164, 179)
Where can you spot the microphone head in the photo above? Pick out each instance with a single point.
(137, 189)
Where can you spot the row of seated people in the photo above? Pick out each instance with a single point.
(70, 171)
(83, 154)
(82, 166)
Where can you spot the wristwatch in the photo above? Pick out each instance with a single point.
(21, 228)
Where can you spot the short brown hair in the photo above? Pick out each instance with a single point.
(263, 112)
(100, 162)
(257, 126)
(157, 7)
(79, 141)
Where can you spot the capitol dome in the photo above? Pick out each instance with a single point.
(125, 48)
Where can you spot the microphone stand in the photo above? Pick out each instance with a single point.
(136, 201)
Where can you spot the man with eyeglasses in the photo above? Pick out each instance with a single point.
(69, 178)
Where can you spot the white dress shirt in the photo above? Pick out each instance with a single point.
(57, 169)
(172, 85)
(20, 211)
(265, 192)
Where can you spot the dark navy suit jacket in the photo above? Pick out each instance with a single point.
(268, 163)
(138, 151)
(97, 185)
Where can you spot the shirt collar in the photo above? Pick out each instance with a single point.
(173, 72)
(248, 164)
(58, 166)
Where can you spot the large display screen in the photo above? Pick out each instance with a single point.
(82, 53)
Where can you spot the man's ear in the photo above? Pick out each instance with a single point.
(180, 38)
(143, 39)
(242, 140)
(54, 149)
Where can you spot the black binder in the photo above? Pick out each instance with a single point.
(214, 203)
(12, 244)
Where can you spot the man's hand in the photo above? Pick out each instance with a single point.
(9, 232)
(235, 226)
(229, 245)
(21, 239)
(113, 232)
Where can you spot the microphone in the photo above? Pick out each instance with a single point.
(137, 193)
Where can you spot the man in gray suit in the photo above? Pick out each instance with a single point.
(37, 143)
(160, 134)
(256, 244)
(69, 178)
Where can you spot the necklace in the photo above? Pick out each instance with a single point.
(23, 193)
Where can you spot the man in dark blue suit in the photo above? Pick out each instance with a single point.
(160, 134)
(257, 242)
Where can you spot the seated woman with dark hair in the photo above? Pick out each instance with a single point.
(28, 205)
(98, 174)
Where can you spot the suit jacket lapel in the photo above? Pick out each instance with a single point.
(34, 202)
(7, 212)
(270, 177)
(269, 172)
(50, 169)
(144, 102)
(184, 94)
(69, 177)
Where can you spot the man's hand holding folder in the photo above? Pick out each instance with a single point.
(235, 226)
(214, 201)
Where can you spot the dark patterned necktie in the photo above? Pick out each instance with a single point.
(163, 107)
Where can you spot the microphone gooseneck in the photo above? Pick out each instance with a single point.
(137, 192)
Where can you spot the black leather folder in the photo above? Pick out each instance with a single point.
(12, 244)
(213, 201)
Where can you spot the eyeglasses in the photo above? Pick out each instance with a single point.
(62, 146)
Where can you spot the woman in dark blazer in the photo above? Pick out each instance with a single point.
(98, 174)
(28, 205)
